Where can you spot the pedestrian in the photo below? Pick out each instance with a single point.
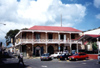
(20, 57)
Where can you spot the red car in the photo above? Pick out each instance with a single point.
(77, 56)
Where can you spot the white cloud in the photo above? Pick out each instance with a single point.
(27, 13)
(97, 3)
(98, 16)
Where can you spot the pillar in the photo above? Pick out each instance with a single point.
(77, 47)
(32, 43)
(59, 42)
(46, 43)
(70, 44)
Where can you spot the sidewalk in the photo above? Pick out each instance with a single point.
(93, 56)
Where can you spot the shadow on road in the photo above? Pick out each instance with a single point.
(11, 65)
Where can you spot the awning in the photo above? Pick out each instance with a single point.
(89, 37)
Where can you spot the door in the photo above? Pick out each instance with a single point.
(42, 50)
(50, 36)
(51, 49)
(61, 48)
(37, 51)
(37, 36)
(24, 50)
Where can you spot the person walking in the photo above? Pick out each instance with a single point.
(20, 57)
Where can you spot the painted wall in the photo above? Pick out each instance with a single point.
(96, 31)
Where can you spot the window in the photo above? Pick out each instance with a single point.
(50, 36)
(37, 35)
(62, 36)
(72, 36)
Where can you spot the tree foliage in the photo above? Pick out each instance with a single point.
(94, 46)
(11, 34)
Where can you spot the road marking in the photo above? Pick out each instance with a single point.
(44, 66)
(29, 67)
(59, 61)
(83, 63)
(84, 60)
(90, 59)
(67, 60)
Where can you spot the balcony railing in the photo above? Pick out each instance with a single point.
(24, 41)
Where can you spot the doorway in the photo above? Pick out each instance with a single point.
(73, 46)
(51, 49)
(37, 51)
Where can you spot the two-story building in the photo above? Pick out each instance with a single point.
(47, 39)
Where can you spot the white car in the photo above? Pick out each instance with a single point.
(55, 54)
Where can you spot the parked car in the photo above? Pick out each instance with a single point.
(64, 56)
(45, 56)
(55, 54)
(65, 52)
(77, 56)
(99, 58)
(73, 51)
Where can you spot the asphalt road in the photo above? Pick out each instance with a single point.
(36, 63)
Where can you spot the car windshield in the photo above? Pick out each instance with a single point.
(45, 54)
(76, 54)
(62, 53)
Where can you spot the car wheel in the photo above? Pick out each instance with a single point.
(65, 58)
(41, 59)
(86, 58)
(76, 59)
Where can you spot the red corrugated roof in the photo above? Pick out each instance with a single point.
(54, 28)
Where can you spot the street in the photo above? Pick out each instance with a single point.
(36, 63)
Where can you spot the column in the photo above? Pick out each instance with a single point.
(59, 42)
(21, 38)
(70, 44)
(77, 46)
(64, 37)
(32, 43)
(46, 43)
(46, 49)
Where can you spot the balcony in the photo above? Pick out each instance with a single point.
(40, 41)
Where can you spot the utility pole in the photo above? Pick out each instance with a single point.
(61, 20)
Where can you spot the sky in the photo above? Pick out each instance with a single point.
(18, 14)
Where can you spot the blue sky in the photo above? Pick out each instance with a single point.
(90, 20)
(79, 14)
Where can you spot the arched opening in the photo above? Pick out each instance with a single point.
(73, 46)
(61, 48)
(37, 51)
(50, 49)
